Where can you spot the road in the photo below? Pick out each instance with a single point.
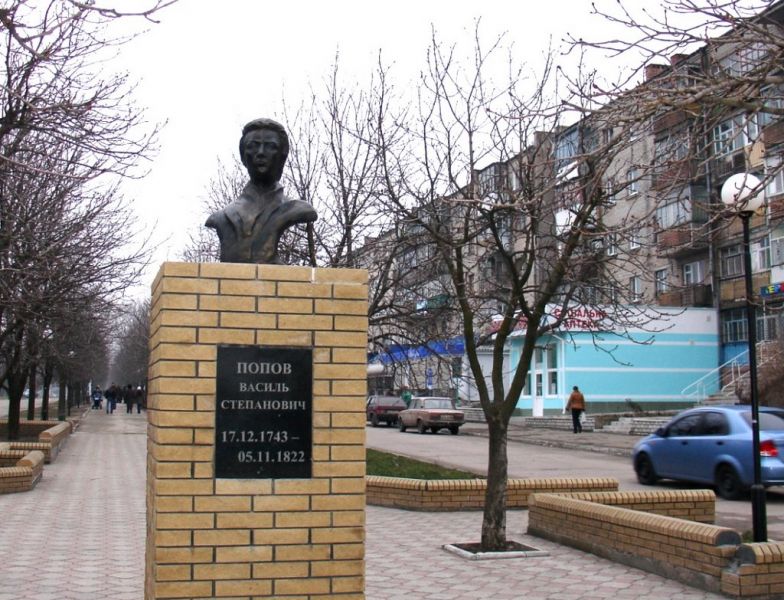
(469, 452)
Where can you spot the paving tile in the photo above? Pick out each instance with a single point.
(88, 512)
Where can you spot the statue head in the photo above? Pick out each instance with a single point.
(264, 147)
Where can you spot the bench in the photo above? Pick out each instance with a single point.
(24, 475)
(469, 494)
(695, 553)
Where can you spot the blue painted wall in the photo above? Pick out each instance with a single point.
(610, 368)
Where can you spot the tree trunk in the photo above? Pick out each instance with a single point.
(61, 399)
(16, 384)
(494, 522)
(45, 394)
(32, 390)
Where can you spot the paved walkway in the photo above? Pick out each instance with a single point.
(80, 536)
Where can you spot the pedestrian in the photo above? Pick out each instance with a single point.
(129, 396)
(138, 399)
(576, 404)
(111, 398)
(97, 398)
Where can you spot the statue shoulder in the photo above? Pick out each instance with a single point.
(301, 211)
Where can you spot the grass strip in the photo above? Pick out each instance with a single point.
(393, 465)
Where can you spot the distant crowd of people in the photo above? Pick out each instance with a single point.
(115, 394)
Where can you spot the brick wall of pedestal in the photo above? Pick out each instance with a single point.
(242, 538)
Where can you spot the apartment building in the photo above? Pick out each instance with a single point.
(661, 246)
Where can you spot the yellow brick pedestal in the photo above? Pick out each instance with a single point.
(255, 538)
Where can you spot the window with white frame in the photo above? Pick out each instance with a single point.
(734, 327)
(632, 181)
(661, 279)
(552, 369)
(673, 212)
(612, 244)
(728, 136)
(774, 170)
(635, 288)
(773, 98)
(742, 59)
(760, 255)
(674, 147)
(693, 273)
(634, 239)
(609, 190)
(731, 260)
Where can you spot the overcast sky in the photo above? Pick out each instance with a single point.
(209, 67)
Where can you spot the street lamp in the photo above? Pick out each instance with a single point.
(742, 193)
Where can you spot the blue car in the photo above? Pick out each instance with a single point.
(712, 445)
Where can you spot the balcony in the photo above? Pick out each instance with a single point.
(776, 207)
(724, 166)
(672, 120)
(692, 295)
(682, 239)
(698, 295)
(773, 134)
(674, 173)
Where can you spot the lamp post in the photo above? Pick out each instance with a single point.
(742, 193)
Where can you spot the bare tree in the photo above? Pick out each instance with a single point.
(130, 337)
(66, 236)
(507, 215)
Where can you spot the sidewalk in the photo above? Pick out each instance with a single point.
(80, 536)
(591, 441)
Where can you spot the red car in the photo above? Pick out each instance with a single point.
(383, 408)
(433, 413)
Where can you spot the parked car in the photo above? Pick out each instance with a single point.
(433, 413)
(712, 445)
(383, 408)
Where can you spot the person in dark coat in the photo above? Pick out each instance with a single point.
(576, 404)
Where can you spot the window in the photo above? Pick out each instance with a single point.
(632, 181)
(673, 213)
(775, 174)
(634, 239)
(742, 59)
(767, 327)
(733, 325)
(674, 147)
(715, 424)
(693, 273)
(609, 190)
(760, 255)
(552, 370)
(731, 261)
(727, 137)
(774, 101)
(734, 133)
(612, 244)
(688, 425)
(635, 289)
(661, 280)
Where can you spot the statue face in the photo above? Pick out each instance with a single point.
(261, 155)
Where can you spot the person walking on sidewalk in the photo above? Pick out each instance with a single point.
(576, 404)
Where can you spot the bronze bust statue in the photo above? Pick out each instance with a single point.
(250, 228)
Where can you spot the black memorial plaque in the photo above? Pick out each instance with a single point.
(263, 413)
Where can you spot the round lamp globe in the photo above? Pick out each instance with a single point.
(742, 192)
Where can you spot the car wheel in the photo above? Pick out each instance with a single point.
(421, 428)
(374, 420)
(400, 425)
(454, 430)
(728, 484)
(434, 429)
(643, 466)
